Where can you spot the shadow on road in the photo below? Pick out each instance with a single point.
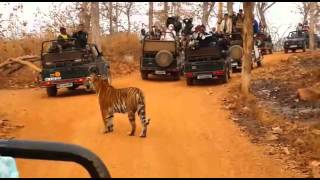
(70, 93)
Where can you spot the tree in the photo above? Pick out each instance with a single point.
(176, 6)
(312, 15)
(230, 8)
(303, 9)
(84, 15)
(206, 9)
(150, 15)
(95, 23)
(127, 10)
(247, 47)
(220, 6)
(111, 30)
(165, 11)
(262, 8)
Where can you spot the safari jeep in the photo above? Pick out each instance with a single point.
(68, 68)
(264, 43)
(206, 63)
(296, 41)
(161, 58)
(236, 52)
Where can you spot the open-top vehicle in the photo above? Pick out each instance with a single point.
(264, 43)
(236, 52)
(68, 68)
(161, 58)
(52, 151)
(209, 62)
(299, 40)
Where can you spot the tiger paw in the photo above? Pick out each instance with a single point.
(105, 131)
(143, 135)
(131, 133)
(108, 130)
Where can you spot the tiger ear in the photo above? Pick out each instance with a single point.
(93, 70)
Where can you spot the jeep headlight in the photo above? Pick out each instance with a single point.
(259, 42)
(78, 60)
(48, 63)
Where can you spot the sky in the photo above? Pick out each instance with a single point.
(280, 15)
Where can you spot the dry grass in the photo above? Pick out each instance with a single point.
(121, 44)
(114, 47)
(122, 49)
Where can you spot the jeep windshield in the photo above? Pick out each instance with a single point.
(295, 34)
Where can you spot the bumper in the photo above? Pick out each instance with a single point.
(75, 81)
(205, 74)
(293, 47)
(154, 69)
(236, 64)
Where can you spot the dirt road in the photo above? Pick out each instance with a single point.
(190, 134)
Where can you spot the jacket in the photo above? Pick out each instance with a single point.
(81, 38)
(228, 24)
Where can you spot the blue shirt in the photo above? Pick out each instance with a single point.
(8, 168)
(255, 27)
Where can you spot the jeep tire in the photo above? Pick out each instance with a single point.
(144, 75)
(176, 76)
(189, 81)
(52, 91)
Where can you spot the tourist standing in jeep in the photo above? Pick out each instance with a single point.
(64, 38)
(81, 37)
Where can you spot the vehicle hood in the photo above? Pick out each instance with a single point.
(294, 40)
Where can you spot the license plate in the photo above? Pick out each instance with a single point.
(234, 64)
(52, 79)
(205, 76)
(293, 46)
(64, 85)
(160, 72)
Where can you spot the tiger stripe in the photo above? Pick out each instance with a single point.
(125, 100)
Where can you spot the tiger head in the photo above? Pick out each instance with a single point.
(95, 79)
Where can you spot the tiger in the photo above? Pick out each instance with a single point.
(125, 100)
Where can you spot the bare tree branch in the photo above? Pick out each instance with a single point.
(269, 6)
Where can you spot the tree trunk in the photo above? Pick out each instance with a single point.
(84, 16)
(247, 47)
(312, 11)
(111, 18)
(204, 19)
(150, 15)
(306, 8)
(261, 12)
(220, 6)
(165, 12)
(128, 16)
(116, 18)
(177, 7)
(95, 24)
(230, 10)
